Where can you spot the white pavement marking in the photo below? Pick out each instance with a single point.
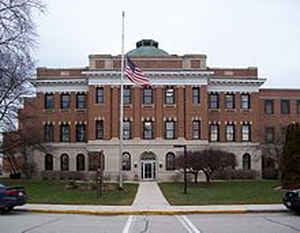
(128, 224)
(187, 224)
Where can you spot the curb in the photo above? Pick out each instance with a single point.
(150, 212)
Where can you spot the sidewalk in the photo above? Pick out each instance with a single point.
(149, 200)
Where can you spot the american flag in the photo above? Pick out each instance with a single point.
(135, 74)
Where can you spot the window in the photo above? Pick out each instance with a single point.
(80, 133)
(49, 101)
(65, 133)
(285, 107)
(213, 101)
(127, 95)
(170, 129)
(126, 130)
(148, 130)
(269, 107)
(49, 162)
(170, 161)
(170, 95)
(298, 106)
(246, 162)
(95, 160)
(229, 101)
(196, 129)
(100, 95)
(269, 134)
(246, 133)
(196, 95)
(80, 101)
(99, 129)
(49, 133)
(65, 101)
(80, 162)
(245, 101)
(126, 162)
(64, 162)
(148, 96)
(230, 133)
(214, 133)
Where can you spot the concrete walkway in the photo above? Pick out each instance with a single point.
(150, 200)
(149, 196)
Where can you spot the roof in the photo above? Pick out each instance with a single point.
(147, 47)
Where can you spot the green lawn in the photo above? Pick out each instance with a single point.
(54, 192)
(230, 192)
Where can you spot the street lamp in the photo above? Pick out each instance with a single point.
(184, 166)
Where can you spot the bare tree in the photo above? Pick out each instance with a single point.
(272, 148)
(207, 161)
(17, 40)
(22, 144)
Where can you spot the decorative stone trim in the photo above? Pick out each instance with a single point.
(147, 119)
(64, 123)
(99, 118)
(214, 122)
(196, 118)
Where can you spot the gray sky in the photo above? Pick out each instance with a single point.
(232, 33)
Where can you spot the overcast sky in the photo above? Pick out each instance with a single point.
(232, 33)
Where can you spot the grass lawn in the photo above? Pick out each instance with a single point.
(54, 192)
(227, 192)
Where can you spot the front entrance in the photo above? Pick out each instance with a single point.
(148, 166)
(148, 169)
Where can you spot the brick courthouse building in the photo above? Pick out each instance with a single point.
(188, 103)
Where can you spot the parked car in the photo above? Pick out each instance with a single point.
(291, 200)
(11, 197)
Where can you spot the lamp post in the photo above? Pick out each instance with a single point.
(184, 166)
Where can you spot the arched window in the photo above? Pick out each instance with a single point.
(48, 162)
(170, 161)
(246, 162)
(64, 162)
(80, 163)
(126, 162)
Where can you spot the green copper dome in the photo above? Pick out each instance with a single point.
(147, 48)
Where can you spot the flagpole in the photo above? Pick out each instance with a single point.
(121, 107)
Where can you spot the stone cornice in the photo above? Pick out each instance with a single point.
(234, 85)
(175, 73)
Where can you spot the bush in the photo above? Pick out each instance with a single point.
(270, 174)
(15, 175)
(232, 174)
(241, 174)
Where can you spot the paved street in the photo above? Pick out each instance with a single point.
(21, 222)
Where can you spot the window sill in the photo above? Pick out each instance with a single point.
(170, 105)
(49, 110)
(246, 110)
(230, 110)
(80, 110)
(127, 105)
(65, 110)
(214, 110)
(147, 105)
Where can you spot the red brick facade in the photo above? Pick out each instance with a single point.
(183, 73)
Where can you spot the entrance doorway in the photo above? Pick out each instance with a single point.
(148, 166)
(148, 170)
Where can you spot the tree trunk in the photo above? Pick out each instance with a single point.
(207, 176)
(196, 177)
